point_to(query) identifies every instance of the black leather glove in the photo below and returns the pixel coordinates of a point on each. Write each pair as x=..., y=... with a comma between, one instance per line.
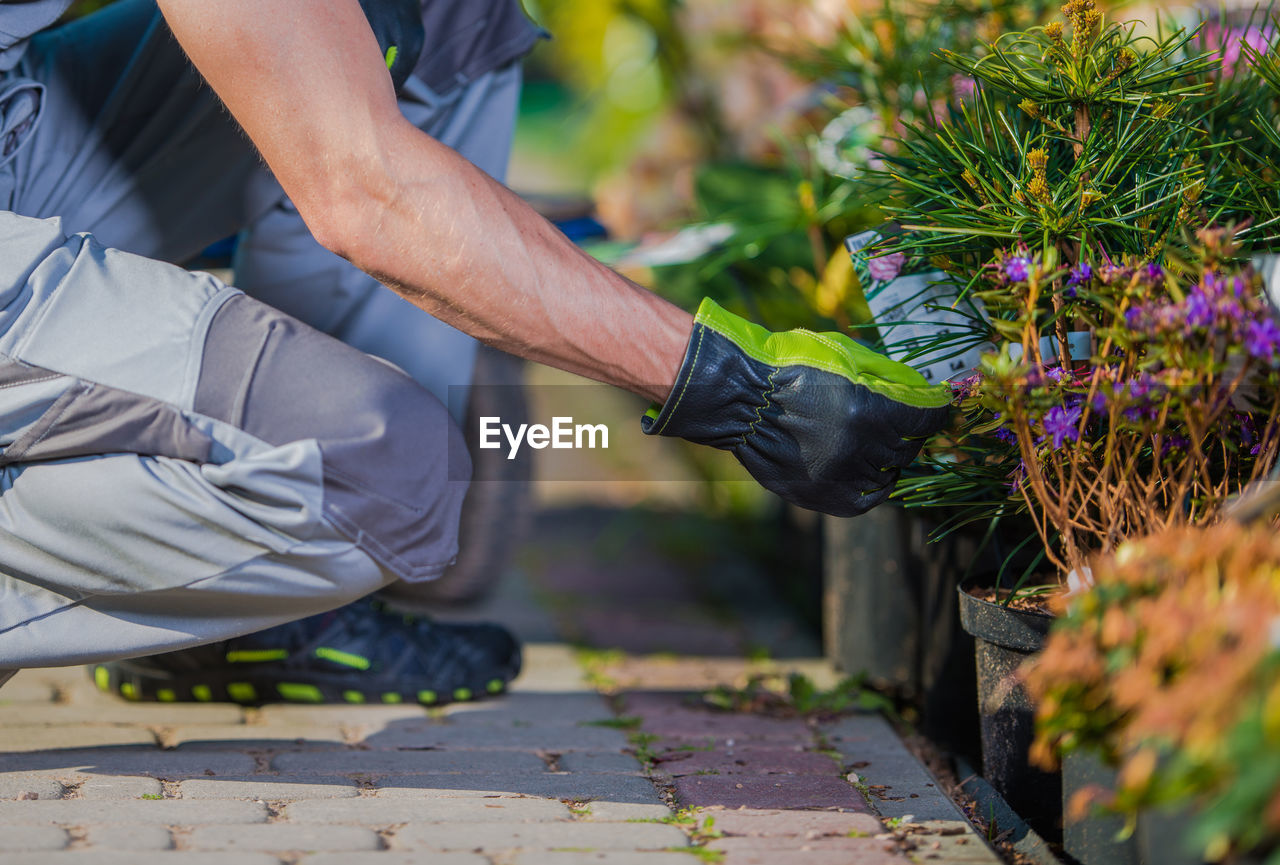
x=815, y=417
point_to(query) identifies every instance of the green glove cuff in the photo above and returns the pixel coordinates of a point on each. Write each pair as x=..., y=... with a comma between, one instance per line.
x=831, y=352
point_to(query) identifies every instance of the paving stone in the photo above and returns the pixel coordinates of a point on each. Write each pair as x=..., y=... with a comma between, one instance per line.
x=15, y=784
x=137, y=857
x=956, y=841
x=268, y=787
x=120, y=712
x=26, y=838
x=924, y=806
x=747, y=760
x=223, y=737
x=812, y=857
x=671, y=716
x=602, y=857
x=131, y=761
x=384, y=812
x=488, y=736
x=545, y=836
x=54, y=677
x=21, y=689
x=578, y=786
x=854, y=848
x=171, y=812
x=282, y=836
x=804, y=824
x=118, y=787
x=586, y=761
x=532, y=708
x=394, y=857
x=900, y=783
x=407, y=762
x=821, y=851
x=341, y=715
x=768, y=792
x=619, y=812
x=727, y=729
x=550, y=668
x=687, y=676
x=117, y=836
x=652, y=702
x=18, y=739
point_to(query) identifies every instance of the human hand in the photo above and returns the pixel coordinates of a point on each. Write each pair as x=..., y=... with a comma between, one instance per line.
x=815, y=417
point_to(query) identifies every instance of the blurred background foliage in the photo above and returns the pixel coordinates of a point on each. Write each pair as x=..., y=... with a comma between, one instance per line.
x=756, y=117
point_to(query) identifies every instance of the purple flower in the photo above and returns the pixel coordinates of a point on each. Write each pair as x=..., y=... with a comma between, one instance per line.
x=1017, y=477
x=1229, y=309
x=1018, y=268
x=1198, y=311
x=885, y=268
x=1080, y=274
x=1175, y=443
x=1140, y=387
x=965, y=387
x=1154, y=272
x=1062, y=424
x=1135, y=317
x=1262, y=338
x=1248, y=431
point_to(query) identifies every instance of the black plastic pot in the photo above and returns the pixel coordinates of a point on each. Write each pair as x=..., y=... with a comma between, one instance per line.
x=889, y=614
x=1160, y=839
x=1004, y=639
x=1092, y=841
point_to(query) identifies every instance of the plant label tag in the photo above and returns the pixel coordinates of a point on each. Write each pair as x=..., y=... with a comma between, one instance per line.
x=918, y=314
x=1079, y=342
x=1268, y=267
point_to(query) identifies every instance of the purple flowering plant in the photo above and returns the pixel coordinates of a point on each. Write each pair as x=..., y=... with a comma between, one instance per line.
x=1175, y=408
x=1078, y=199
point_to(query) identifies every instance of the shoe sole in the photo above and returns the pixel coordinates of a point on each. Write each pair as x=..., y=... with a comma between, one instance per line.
x=248, y=690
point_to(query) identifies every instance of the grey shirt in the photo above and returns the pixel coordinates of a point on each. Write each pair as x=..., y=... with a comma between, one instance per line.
x=464, y=38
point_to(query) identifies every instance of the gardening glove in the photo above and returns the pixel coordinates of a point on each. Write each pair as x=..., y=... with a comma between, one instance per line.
x=815, y=417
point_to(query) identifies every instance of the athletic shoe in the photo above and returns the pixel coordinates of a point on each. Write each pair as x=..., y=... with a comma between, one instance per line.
x=360, y=653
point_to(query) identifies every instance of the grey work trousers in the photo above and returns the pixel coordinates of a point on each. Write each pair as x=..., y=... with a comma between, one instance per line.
x=181, y=462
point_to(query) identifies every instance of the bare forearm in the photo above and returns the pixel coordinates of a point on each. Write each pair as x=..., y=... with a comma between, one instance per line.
x=463, y=247
x=308, y=84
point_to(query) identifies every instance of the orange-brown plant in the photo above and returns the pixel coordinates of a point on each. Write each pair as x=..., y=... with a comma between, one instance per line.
x=1167, y=668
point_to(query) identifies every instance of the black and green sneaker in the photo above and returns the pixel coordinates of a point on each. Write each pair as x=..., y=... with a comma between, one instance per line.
x=360, y=653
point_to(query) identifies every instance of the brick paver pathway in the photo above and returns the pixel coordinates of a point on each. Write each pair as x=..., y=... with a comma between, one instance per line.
x=547, y=775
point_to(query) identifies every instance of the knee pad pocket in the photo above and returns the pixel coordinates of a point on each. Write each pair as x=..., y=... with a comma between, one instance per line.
x=395, y=464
